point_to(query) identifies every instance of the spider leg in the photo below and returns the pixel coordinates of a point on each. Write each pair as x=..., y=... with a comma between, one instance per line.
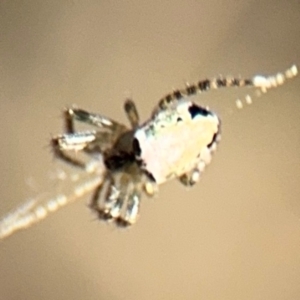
x=131, y=113
x=63, y=144
x=121, y=201
x=134, y=193
x=88, y=141
x=109, y=206
x=95, y=204
x=132, y=209
x=74, y=113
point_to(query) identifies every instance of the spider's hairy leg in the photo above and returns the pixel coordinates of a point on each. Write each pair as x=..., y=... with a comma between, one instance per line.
x=108, y=204
x=95, y=203
x=63, y=144
x=80, y=115
x=260, y=82
x=120, y=202
x=132, y=209
x=131, y=113
x=134, y=194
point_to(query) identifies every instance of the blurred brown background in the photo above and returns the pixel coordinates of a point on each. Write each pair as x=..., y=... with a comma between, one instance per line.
x=236, y=235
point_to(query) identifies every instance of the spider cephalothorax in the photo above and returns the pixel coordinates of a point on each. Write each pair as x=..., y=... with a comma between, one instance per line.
x=176, y=142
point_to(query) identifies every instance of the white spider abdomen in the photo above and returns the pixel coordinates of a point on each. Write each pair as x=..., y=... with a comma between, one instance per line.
x=177, y=139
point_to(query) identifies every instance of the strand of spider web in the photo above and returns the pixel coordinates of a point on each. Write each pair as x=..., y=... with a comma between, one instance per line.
x=34, y=211
x=265, y=83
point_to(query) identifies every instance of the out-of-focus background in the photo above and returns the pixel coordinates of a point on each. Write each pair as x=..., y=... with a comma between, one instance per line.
x=236, y=235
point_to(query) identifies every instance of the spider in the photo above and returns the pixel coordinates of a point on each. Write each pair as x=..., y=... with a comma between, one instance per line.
x=177, y=141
